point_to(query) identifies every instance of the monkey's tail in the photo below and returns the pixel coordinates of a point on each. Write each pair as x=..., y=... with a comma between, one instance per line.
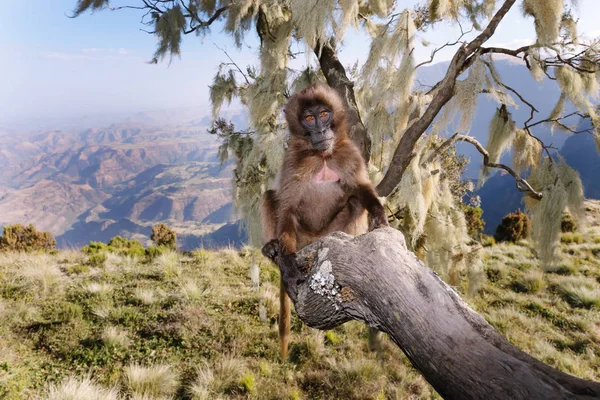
x=284, y=320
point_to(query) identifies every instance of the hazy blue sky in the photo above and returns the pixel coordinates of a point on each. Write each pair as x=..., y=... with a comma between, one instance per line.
x=56, y=67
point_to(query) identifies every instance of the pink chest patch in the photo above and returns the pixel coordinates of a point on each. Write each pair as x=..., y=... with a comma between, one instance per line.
x=326, y=174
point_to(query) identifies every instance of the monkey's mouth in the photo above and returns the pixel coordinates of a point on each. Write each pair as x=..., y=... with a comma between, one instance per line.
x=324, y=144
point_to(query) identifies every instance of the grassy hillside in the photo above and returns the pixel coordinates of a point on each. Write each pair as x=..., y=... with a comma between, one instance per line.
x=195, y=326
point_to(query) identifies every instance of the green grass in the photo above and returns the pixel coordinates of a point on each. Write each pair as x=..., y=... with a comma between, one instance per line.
x=195, y=327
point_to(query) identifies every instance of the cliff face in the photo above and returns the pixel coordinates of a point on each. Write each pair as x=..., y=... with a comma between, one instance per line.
x=94, y=183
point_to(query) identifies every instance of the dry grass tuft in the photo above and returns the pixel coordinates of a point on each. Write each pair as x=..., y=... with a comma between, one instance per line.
x=81, y=389
x=113, y=336
x=151, y=381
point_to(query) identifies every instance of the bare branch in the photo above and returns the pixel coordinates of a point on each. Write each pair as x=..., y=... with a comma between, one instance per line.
x=234, y=64
x=522, y=184
x=205, y=24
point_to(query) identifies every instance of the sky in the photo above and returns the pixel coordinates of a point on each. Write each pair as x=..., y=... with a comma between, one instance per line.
x=54, y=67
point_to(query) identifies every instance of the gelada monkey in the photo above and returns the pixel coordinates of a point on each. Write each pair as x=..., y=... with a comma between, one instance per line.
x=323, y=185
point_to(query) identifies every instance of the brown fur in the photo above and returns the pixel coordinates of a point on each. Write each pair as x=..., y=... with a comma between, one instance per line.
x=302, y=210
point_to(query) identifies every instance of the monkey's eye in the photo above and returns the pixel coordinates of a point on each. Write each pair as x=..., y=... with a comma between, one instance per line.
x=324, y=115
x=309, y=118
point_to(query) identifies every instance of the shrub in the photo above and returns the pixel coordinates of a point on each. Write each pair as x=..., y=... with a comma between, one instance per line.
x=97, y=259
x=126, y=247
x=26, y=238
x=487, y=241
x=571, y=238
x=473, y=219
x=514, y=227
x=154, y=251
x=567, y=223
x=162, y=235
x=95, y=248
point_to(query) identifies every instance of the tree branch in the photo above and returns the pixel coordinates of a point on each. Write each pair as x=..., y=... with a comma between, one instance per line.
x=335, y=73
x=444, y=92
x=374, y=278
x=522, y=184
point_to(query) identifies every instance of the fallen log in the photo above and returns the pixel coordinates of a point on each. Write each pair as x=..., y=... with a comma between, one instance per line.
x=374, y=278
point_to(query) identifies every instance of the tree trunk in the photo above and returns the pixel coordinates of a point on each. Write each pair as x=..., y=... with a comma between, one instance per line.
x=335, y=73
x=374, y=278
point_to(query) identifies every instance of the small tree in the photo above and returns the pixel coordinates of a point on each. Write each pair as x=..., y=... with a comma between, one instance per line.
x=514, y=227
x=475, y=222
x=164, y=236
x=567, y=223
x=18, y=237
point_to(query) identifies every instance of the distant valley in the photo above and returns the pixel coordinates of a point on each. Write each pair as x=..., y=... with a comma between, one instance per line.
x=96, y=183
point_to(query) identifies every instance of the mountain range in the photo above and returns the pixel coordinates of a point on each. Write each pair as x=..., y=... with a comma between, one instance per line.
x=87, y=183
x=96, y=183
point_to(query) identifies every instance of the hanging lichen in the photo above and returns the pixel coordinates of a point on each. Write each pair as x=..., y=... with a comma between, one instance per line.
x=464, y=102
x=312, y=18
x=547, y=15
x=168, y=28
x=561, y=188
x=349, y=17
x=440, y=9
x=224, y=88
x=239, y=18
x=570, y=27
x=526, y=151
x=536, y=64
x=571, y=84
x=501, y=133
x=493, y=85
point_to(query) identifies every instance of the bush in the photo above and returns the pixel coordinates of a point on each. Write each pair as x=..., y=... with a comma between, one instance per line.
x=487, y=241
x=571, y=238
x=162, y=235
x=514, y=227
x=154, y=251
x=567, y=223
x=473, y=219
x=126, y=247
x=26, y=238
x=95, y=248
x=97, y=259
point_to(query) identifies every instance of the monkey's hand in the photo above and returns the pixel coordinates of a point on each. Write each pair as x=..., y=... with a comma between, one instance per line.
x=377, y=220
x=271, y=249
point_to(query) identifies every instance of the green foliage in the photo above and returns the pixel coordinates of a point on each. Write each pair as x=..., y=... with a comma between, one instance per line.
x=154, y=251
x=168, y=28
x=332, y=338
x=93, y=5
x=95, y=248
x=78, y=269
x=567, y=223
x=97, y=251
x=248, y=383
x=514, y=227
x=18, y=237
x=126, y=247
x=475, y=222
x=487, y=241
x=164, y=236
x=97, y=259
x=571, y=238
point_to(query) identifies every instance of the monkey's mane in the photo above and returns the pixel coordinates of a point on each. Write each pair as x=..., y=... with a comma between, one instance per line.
x=313, y=95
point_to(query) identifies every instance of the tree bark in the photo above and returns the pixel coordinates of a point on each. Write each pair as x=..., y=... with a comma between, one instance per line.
x=335, y=73
x=374, y=278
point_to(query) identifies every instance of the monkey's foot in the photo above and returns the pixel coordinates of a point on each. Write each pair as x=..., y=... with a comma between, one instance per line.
x=271, y=249
x=377, y=221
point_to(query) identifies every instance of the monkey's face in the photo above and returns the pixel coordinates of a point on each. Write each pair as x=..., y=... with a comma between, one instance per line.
x=316, y=121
